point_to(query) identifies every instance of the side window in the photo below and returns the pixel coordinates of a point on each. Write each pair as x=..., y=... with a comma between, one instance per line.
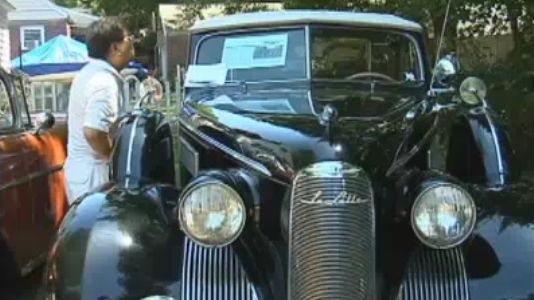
x=6, y=112
x=23, y=90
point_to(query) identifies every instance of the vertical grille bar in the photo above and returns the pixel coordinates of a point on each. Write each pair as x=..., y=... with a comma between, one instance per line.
x=332, y=234
x=213, y=274
x=435, y=275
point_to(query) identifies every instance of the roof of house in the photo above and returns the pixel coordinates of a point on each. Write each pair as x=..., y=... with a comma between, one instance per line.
x=44, y=10
x=80, y=18
x=6, y=5
x=288, y=17
x=36, y=10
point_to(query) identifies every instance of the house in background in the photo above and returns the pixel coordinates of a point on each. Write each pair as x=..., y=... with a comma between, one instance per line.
x=5, y=53
x=33, y=22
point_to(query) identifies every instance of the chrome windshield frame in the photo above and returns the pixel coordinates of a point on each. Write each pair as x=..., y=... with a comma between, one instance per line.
x=307, y=28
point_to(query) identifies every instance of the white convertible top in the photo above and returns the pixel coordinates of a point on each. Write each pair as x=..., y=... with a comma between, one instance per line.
x=290, y=17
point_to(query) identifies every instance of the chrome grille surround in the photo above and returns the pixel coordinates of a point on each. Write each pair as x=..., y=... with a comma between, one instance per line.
x=213, y=274
x=435, y=275
x=331, y=234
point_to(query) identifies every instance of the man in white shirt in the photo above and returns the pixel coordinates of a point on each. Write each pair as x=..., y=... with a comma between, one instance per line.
x=93, y=106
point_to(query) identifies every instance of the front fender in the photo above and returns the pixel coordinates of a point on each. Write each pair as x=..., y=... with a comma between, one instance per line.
x=493, y=145
x=116, y=244
x=500, y=259
x=495, y=263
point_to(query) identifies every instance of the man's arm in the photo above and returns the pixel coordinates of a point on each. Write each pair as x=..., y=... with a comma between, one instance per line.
x=101, y=112
x=99, y=141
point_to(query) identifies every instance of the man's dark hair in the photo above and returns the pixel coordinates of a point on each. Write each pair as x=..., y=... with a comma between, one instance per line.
x=102, y=34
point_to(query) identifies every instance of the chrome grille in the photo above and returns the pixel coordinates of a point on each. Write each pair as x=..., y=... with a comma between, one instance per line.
x=213, y=273
x=332, y=234
x=435, y=275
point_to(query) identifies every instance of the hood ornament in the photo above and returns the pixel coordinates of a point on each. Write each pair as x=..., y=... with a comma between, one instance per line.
x=329, y=115
x=328, y=118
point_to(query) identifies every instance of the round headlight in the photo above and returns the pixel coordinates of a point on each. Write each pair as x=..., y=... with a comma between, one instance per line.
x=212, y=214
x=443, y=216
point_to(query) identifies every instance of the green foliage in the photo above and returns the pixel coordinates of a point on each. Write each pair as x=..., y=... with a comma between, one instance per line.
x=358, y=5
x=68, y=3
x=136, y=13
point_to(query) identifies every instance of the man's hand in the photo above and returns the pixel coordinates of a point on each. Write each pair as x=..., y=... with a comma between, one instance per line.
x=99, y=141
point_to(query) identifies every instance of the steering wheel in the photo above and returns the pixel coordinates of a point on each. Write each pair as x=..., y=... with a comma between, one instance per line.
x=370, y=74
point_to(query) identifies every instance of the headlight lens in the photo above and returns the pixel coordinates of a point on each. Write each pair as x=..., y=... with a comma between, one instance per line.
x=212, y=214
x=443, y=216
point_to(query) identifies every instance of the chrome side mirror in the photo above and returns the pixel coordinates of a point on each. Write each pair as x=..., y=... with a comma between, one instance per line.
x=446, y=71
x=473, y=91
x=44, y=122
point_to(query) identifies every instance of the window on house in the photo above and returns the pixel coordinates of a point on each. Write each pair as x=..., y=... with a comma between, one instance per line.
x=31, y=36
x=49, y=96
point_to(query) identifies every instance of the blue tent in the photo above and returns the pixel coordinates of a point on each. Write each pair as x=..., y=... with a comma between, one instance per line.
x=58, y=55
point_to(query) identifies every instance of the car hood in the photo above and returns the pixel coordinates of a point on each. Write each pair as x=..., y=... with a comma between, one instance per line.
x=283, y=130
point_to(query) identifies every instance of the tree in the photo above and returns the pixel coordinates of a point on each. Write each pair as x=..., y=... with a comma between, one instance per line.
x=137, y=14
x=358, y=5
x=68, y=3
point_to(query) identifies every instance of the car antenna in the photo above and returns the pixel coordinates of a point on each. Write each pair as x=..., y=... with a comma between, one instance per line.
x=438, y=52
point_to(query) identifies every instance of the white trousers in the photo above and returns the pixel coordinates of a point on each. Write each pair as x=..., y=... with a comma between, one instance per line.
x=83, y=176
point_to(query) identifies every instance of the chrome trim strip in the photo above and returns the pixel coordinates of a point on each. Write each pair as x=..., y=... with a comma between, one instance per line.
x=29, y=178
x=33, y=264
x=130, y=150
x=245, y=160
x=495, y=142
x=213, y=274
x=310, y=101
x=307, y=36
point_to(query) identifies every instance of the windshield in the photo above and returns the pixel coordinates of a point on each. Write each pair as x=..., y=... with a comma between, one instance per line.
x=352, y=54
x=337, y=53
x=260, y=56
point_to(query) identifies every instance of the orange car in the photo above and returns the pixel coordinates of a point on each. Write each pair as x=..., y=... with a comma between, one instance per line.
x=32, y=193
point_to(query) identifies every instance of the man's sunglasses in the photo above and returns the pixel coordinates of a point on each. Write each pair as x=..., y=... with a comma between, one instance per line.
x=132, y=38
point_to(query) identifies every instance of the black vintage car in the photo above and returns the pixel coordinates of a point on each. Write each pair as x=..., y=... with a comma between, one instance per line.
x=314, y=156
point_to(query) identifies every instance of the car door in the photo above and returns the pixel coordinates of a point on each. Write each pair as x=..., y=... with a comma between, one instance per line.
x=32, y=191
x=16, y=215
x=46, y=153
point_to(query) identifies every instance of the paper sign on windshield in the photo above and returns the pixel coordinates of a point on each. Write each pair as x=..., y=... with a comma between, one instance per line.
x=201, y=75
x=255, y=51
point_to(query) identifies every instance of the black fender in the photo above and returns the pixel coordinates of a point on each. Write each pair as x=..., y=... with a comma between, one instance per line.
x=500, y=257
x=496, y=262
x=125, y=243
x=116, y=244
x=143, y=149
x=479, y=149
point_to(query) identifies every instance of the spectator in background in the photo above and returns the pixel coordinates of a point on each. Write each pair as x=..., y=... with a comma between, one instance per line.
x=93, y=106
x=152, y=84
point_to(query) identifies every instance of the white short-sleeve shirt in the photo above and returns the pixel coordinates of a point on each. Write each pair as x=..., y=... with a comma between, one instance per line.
x=93, y=102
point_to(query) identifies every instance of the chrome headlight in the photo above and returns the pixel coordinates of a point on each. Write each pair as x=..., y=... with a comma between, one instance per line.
x=443, y=216
x=212, y=214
